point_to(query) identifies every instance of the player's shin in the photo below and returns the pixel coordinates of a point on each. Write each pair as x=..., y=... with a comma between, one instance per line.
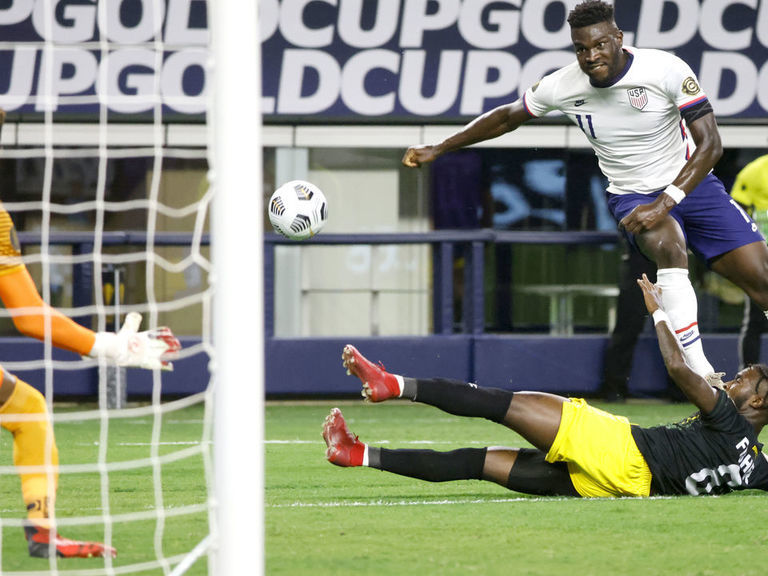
x=460, y=398
x=679, y=299
x=462, y=464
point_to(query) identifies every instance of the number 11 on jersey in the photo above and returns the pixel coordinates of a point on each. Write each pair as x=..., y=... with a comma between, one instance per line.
x=591, y=132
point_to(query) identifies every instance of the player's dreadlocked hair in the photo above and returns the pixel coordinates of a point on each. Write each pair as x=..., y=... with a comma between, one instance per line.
x=590, y=12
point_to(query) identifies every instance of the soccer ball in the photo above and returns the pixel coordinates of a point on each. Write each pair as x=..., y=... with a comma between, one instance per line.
x=298, y=210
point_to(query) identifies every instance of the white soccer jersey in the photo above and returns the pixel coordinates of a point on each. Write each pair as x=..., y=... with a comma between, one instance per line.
x=634, y=125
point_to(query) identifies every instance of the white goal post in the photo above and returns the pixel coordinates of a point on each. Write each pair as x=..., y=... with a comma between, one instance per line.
x=237, y=231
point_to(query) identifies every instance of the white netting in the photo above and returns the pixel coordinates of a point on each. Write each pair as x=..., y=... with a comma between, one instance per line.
x=104, y=201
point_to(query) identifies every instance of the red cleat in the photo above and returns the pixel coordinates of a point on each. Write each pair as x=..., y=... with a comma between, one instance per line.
x=344, y=448
x=378, y=384
x=39, y=540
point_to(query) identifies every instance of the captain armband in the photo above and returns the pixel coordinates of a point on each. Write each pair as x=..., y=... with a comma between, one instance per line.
x=698, y=110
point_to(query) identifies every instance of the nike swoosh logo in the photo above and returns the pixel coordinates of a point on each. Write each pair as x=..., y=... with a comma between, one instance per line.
x=579, y=102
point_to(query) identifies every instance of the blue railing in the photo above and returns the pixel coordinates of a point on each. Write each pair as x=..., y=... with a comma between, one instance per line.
x=82, y=243
x=444, y=245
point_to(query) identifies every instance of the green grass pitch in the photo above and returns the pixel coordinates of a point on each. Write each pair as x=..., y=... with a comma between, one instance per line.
x=321, y=519
x=324, y=520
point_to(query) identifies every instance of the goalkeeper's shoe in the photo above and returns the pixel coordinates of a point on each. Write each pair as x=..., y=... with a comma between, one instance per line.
x=39, y=541
x=378, y=384
x=151, y=349
x=344, y=448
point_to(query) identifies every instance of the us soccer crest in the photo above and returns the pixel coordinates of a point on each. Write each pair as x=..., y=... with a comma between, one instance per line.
x=637, y=97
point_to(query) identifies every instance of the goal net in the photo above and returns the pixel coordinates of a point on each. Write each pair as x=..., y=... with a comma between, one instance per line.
x=108, y=151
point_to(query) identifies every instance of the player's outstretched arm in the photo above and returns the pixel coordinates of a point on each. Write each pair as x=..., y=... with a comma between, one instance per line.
x=151, y=349
x=36, y=319
x=487, y=126
x=695, y=388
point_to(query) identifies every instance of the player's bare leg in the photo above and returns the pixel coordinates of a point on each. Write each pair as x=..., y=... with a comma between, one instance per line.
x=534, y=415
x=665, y=244
x=523, y=470
x=498, y=463
x=527, y=471
x=346, y=450
x=747, y=267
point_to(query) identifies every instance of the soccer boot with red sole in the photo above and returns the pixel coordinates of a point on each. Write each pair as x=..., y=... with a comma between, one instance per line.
x=378, y=384
x=344, y=448
x=39, y=539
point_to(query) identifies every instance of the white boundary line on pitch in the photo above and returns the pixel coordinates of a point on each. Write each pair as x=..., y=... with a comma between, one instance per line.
x=376, y=503
x=386, y=503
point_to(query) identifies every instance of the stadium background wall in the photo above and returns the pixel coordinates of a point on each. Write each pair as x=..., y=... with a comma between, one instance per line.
x=341, y=100
x=366, y=61
x=312, y=367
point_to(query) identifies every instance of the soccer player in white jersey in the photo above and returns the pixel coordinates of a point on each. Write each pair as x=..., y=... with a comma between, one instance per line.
x=656, y=139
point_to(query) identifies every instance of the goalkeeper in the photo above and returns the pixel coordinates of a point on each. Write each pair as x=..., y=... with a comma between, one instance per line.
x=33, y=440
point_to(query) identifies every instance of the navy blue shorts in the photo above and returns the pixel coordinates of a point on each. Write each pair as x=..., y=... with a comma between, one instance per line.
x=712, y=222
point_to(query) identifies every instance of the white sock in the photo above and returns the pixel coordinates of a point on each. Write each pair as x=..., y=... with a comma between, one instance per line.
x=680, y=303
x=400, y=383
x=365, y=456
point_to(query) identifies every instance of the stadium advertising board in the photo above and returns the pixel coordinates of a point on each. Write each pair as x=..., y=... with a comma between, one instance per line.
x=358, y=60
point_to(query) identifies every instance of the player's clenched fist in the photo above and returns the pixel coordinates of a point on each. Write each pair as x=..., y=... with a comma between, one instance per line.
x=415, y=156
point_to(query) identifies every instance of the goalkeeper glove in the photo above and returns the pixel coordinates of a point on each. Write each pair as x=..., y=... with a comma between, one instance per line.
x=151, y=349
